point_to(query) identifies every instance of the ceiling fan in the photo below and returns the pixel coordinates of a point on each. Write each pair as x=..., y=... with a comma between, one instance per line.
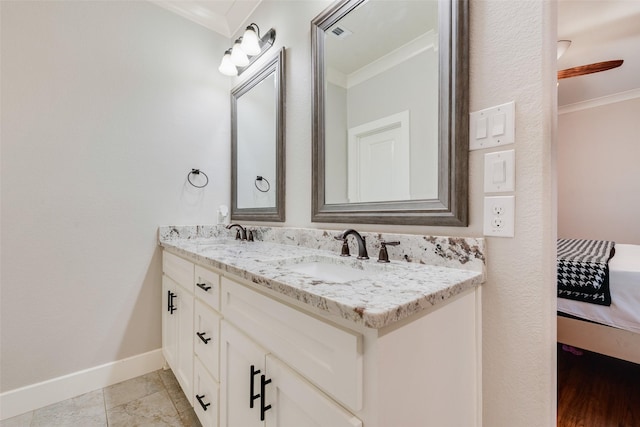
x=581, y=70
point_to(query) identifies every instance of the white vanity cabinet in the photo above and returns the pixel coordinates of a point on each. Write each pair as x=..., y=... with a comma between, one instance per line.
x=191, y=332
x=262, y=359
x=419, y=372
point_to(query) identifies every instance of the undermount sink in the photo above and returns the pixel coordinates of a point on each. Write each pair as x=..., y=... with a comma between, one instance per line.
x=329, y=272
x=216, y=242
x=336, y=270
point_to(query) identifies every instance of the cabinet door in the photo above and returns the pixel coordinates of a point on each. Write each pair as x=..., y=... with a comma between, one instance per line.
x=205, y=393
x=169, y=323
x=295, y=402
x=242, y=365
x=183, y=302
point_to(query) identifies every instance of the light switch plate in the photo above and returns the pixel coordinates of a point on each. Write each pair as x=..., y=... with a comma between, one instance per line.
x=499, y=171
x=492, y=127
x=499, y=216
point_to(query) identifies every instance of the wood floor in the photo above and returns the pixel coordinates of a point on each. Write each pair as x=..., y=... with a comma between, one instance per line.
x=597, y=391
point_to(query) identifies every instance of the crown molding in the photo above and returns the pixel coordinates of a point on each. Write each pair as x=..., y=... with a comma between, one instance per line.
x=598, y=102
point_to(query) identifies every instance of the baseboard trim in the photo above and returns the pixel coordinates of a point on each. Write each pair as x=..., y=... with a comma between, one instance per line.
x=34, y=396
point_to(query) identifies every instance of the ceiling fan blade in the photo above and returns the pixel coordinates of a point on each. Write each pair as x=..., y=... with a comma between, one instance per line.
x=589, y=69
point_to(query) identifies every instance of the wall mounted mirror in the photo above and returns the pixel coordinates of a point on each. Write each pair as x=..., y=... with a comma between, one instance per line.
x=390, y=112
x=257, y=145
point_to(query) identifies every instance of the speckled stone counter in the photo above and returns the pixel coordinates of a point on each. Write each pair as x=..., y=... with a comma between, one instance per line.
x=424, y=270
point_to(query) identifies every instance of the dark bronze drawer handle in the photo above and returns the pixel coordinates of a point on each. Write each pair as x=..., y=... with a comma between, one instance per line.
x=203, y=286
x=201, y=336
x=204, y=405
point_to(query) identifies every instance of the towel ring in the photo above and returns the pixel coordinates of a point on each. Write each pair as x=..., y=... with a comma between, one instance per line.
x=197, y=172
x=260, y=178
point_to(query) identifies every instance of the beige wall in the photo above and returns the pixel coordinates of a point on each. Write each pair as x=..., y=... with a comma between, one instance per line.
x=599, y=173
x=512, y=58
x=106, y=106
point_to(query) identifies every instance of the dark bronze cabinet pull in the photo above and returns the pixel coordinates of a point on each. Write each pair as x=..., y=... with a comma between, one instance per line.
x=204, y=405
x=263, y=384
x=203, y=286
x=170, y=307
x=201, y=336
x=252, y=396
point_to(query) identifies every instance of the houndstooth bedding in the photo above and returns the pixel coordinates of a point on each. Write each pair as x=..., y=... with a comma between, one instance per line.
x=583, y=270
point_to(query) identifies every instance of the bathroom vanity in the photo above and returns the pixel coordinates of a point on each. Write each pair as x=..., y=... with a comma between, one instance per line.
x=271, y=334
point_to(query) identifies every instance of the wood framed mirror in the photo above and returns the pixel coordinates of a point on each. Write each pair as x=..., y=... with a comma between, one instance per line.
x=390, y=112
x=257, y=145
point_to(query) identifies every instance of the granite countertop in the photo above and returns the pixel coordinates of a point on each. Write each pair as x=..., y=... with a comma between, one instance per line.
x=378, y=295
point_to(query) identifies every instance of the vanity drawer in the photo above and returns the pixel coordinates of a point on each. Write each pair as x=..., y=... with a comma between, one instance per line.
x=207, y=287
x=205, y=396
x=207, y=337
x=326, y=355
x=180, y=270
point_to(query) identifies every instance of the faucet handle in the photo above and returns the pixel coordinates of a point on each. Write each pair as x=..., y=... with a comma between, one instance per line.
x=238, y=236
x=345, y=246
x=384, y=255
x=249, y=235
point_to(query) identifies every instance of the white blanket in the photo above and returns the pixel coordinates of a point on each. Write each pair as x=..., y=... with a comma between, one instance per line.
x=624, y=282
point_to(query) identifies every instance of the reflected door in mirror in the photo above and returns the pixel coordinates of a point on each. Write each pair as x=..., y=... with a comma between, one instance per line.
x=381, y=60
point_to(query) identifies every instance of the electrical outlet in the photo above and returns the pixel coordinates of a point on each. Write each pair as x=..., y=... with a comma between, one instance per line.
x=499, y=216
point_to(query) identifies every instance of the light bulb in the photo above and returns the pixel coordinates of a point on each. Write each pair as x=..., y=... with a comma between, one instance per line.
x=563, y=45
x=227, y=66
x=238, y=57
x=250, y=42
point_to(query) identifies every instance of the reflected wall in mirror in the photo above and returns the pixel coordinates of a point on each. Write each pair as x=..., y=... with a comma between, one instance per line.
x=257, y=145
x=390, y=112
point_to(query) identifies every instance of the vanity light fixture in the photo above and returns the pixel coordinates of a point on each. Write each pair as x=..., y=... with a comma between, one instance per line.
x=250, y=40
x=227, y=67
x=238, y=57
x=246, y=50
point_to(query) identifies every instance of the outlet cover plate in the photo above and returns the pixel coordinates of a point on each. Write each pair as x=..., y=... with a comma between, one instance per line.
x=499, y=216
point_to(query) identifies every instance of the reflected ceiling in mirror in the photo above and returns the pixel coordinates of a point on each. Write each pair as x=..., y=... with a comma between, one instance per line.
x=390, y=107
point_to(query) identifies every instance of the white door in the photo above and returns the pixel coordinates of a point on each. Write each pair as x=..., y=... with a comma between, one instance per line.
x=379, y=160
x=296, y=403
x=242, y=366
x=169, y=323
x=183, y=302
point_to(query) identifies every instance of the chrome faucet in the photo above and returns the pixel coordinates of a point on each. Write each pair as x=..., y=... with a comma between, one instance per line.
x=362, y=246
x=242, y=232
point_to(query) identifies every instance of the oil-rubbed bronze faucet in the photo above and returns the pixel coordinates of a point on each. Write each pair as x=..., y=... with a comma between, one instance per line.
x=384, y=255
x=241, y=234
x=362, y=246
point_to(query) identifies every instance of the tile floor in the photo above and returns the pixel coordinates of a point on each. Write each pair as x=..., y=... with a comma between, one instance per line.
x=154, y=399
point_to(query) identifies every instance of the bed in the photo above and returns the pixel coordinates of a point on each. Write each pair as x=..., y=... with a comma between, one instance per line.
x=613, y=330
